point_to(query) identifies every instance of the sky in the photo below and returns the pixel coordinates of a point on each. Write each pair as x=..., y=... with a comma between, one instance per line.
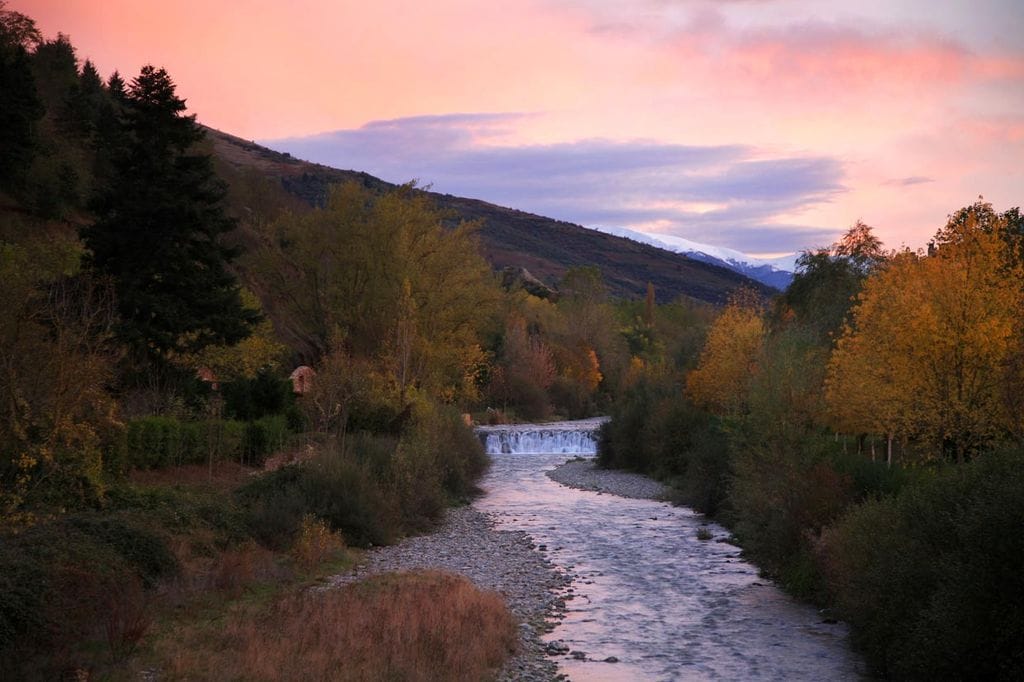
x=766, y=126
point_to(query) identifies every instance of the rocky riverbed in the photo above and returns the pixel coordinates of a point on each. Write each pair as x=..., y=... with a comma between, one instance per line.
x=584, y=474
x=507, y=562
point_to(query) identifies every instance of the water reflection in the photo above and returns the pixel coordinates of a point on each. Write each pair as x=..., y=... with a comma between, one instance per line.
x=648, y=592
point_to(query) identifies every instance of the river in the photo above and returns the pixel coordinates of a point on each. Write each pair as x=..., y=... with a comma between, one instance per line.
x=646, y=590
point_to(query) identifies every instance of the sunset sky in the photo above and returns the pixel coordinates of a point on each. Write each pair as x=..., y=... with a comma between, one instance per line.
x=766, y=126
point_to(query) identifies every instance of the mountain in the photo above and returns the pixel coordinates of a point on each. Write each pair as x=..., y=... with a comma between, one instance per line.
x=774, y=272
x=514, y=239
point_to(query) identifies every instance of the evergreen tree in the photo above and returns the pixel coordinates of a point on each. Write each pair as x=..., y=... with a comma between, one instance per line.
x=20, y=106
x=108, y=142
x=159, y=227
x=81, y=111
x=116, y=87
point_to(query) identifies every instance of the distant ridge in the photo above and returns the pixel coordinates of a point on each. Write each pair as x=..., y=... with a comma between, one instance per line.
x=775, y=272
x=516, y=239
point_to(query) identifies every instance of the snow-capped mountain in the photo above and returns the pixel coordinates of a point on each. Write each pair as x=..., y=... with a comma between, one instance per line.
x=775, y=272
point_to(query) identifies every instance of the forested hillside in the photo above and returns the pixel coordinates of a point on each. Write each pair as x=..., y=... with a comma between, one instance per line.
x=514, y=239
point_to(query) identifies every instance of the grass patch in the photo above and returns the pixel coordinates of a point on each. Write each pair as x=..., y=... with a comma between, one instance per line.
x=404, y=626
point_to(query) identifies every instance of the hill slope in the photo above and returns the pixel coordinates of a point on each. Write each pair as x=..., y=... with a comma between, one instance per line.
x=545, y=247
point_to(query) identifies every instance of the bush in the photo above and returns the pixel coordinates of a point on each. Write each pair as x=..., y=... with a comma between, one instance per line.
x=656, y=430
x=932, y=580
x=779, y=503
x=159, y=442
x=59, y=585
x=263, y=437
x=141, y=549
x=334, y=487
x=250, y=399
x=179, y=510
x=372, y=488
x=441, y=435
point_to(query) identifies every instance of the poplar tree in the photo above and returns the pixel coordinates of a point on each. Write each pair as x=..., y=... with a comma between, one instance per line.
x=158, y=231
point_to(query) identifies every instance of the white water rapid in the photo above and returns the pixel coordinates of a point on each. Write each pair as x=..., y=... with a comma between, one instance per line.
x=569, y=438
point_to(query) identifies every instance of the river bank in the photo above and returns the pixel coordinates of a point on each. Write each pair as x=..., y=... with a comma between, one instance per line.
x=504, y=561
x=584, y=474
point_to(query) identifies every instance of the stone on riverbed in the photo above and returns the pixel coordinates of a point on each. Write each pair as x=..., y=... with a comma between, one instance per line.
x=584, y=475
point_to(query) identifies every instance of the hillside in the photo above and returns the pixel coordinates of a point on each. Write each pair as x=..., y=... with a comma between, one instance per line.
x=545, y=247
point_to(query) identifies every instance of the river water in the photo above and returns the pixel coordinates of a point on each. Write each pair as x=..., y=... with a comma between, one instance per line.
x=646, y=590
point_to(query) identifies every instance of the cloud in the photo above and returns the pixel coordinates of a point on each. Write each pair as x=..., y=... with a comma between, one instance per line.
x=908, y=181
x=726, y=195
x=818, y=58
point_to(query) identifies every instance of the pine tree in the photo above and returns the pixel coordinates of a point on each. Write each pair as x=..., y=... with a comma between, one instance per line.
x=159, y=227
x=116, y=87
x=20, y=106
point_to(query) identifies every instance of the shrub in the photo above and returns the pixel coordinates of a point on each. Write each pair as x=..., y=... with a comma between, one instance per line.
x=159, y=442
x=142, y=549
x=61, y=584
x=178, y=510
x=932, y=579
x=315, y=543
x=457, y=452
x=371, y=488
x=250, y=399
x=334, y=487
x=263, y=437
x=779, y=503
x=406, y=626
x=656, y=430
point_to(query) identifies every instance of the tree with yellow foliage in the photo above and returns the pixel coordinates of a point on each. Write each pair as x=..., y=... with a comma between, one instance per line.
x=869, y=387
x=925, y=354
x=730, y=358
x=244, y=359
x=384, y=272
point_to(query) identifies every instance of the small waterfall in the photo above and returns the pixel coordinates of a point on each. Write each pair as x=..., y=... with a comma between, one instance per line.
x=574, y=438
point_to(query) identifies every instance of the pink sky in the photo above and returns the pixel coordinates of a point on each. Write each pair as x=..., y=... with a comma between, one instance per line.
x=894, y=113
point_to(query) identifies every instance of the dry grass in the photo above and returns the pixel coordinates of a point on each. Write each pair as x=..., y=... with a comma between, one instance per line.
x=405, y=626
x=224, y=476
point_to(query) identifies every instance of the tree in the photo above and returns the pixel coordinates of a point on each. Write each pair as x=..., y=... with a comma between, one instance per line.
x=258, y=352
x=527, y=370
x=158, y=232
x=20, y=106
x=927, y=350
x=590, y=321
x=827, y=281
x=16, y=29
x=56, y=357
x=870, y=382
x=384, y=274
x=730, y=359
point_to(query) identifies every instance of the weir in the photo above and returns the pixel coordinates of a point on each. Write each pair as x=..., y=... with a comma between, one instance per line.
x=572, y=438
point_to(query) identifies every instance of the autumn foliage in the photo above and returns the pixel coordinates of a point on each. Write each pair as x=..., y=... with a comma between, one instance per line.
x=925, y=354
x=861, y=436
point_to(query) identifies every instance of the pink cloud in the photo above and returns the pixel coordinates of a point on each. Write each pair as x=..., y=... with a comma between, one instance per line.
x=814, y=59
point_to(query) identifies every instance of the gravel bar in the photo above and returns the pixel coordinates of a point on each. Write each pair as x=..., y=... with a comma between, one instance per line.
x=584, y=474
x=504, y=561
